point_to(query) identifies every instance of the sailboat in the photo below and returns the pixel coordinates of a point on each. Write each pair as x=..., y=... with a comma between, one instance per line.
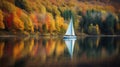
x=70, y=34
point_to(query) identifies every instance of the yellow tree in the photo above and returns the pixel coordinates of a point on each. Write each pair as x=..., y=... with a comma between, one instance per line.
x=28, y=25
x=41, y=8
x=59, y=22
x=60, y=25
x=2, y=26
x=55, y=10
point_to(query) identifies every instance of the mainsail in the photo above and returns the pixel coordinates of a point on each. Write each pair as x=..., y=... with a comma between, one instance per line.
x=70, y=30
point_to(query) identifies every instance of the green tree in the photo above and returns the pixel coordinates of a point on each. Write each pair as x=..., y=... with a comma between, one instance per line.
x=23, y=4
x=44, y=27
x=67, y=14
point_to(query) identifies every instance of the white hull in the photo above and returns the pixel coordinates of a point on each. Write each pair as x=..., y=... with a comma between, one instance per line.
x=69, y=37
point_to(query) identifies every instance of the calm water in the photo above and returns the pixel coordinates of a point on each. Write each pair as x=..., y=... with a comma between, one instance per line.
x=52, y=51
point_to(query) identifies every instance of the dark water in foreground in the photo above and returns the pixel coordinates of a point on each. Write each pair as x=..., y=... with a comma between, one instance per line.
x=50, y=51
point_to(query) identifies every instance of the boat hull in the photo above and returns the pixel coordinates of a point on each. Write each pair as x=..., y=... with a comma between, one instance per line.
x=69, y=37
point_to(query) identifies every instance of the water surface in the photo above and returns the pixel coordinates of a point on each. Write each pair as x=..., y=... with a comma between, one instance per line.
x=52, y=51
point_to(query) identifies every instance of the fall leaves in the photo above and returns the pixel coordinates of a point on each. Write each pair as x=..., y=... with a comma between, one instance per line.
x=16, y=19
x=2, y=26
x=51, y=17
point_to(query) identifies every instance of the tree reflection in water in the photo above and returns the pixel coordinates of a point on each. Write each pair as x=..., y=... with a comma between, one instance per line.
x=97, y=47
x=48, y=50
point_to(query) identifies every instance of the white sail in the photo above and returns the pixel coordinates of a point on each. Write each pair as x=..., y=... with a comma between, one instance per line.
x=70, y=30
x=70, y=46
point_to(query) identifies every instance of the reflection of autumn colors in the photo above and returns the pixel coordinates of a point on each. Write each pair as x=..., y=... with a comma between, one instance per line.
x=97, y=47
x=34, y=48
x=18, y=49
x=1, y=48
x=43, y=49
x=60, y=47
x=50, y=47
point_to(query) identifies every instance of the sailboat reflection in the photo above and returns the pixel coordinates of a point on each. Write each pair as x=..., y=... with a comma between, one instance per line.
x=70, y=45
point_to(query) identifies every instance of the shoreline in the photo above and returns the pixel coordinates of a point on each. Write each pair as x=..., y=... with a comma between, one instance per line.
x=34, y=34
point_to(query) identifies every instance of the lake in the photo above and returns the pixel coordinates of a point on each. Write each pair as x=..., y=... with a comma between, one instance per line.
x=54, y=51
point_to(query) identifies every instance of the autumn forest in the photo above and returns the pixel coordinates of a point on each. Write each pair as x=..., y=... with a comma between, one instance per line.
x=51, y=17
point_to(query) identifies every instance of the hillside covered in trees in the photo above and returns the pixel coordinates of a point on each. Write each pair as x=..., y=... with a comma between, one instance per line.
x=93, y=17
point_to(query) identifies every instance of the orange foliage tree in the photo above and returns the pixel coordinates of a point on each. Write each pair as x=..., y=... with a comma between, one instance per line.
x=17, y=23
x=34, y=20
x=8, y=20
x=48, y=23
